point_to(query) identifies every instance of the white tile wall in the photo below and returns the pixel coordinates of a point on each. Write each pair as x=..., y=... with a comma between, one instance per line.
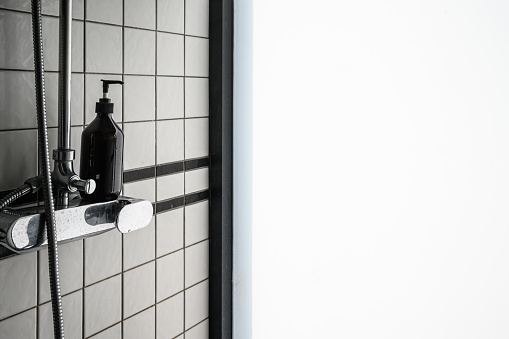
x=170, y=231
x=134, y=254
x=114, y=332
x=196, y=220
x=170, y=54
x=145, y=189
x=170, y=15
x=170, y=186
x=170, y=97
x=139, y=145
x=140, y=13
x=197, y=304
x=112, y=282
x=70, y=269
x=200, y=331
x=139, y=51
x=139, y=98
x=197, y=57
x=197, y=137
x=104, y=48
x=19, y=326
x=140, y=325
x=103, y=256
x=139, y=289
x=170, y=141
x=170, y=275
x=102, y=305
x=197, y=258
x=197, y=17
x=197, y=97
x=197, y=180
x=72, y=308
x=18, y=287
x=170, y=317
x=105, y=11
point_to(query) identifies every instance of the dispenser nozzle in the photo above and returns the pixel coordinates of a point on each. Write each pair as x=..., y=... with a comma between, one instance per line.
x=107, y=83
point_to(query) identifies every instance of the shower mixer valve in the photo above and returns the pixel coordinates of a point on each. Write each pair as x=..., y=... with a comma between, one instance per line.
x=63, y=175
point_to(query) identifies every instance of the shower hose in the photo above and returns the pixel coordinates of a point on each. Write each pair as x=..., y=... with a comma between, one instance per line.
x=45, y=172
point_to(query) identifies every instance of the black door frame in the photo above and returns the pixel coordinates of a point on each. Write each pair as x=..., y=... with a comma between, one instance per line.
x=221, y=168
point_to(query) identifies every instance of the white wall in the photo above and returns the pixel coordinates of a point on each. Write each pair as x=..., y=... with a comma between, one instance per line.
x=381, y=169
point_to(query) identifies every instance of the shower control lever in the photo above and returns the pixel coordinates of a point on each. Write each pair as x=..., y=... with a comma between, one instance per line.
x=87, y=186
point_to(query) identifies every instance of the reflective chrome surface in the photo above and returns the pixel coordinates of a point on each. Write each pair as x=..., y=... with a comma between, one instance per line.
x=23, y=230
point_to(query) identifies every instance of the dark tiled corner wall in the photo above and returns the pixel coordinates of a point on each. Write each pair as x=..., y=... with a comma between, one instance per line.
x=152, y=283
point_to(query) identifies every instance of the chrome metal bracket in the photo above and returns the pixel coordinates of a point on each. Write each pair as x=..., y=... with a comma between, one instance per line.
x=22, y=230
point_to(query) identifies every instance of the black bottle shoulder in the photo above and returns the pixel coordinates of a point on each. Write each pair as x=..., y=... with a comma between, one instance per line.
x=103, y=124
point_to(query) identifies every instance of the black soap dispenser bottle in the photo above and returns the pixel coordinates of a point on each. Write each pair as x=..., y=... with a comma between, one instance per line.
x=102, y=148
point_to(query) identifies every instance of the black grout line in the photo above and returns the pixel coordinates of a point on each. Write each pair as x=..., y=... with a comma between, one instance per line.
x=20, y=312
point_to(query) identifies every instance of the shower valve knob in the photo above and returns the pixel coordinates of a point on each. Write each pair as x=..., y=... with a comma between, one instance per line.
x=87, y=186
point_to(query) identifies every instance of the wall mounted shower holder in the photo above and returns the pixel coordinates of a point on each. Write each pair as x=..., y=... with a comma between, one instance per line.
x=22, y=230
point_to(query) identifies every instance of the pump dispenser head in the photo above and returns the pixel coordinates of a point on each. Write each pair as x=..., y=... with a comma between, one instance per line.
x=104, y=105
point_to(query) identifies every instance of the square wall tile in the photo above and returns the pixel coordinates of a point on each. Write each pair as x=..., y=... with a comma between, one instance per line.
x=170, y=231
x=20, y=148
x=139, y=247
x=77, y=46
x=51, y=88
x=70, y=263
x=141, y=325
x=197, y=180
x=50, y=43
x=139, y=145
x=170, y=141
x=22, y=5
x=77, y=99
x=144, y=189
x=139, y=98
x=16, y=40
x=18, y=283
x=102, y=305
x=103, y=53
x=17, y=95
x=105, y=11
x=197, y=222
x=197, y=304
x=94, y=91
x=170, y=186
x=170, y=275
x=170, y=54
x=170, y=15
x=21, y=326
x=197, y=17
x=200, y=331
x=197, y=263
x=197, y=138
x=139, y=51
x=170, y=97
x=140, y=13
x=197, y=97
x=103, y=256
x=170, y=317
x=72, y=308
x=197, y=57
x=114, y=332
x=139, y=289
